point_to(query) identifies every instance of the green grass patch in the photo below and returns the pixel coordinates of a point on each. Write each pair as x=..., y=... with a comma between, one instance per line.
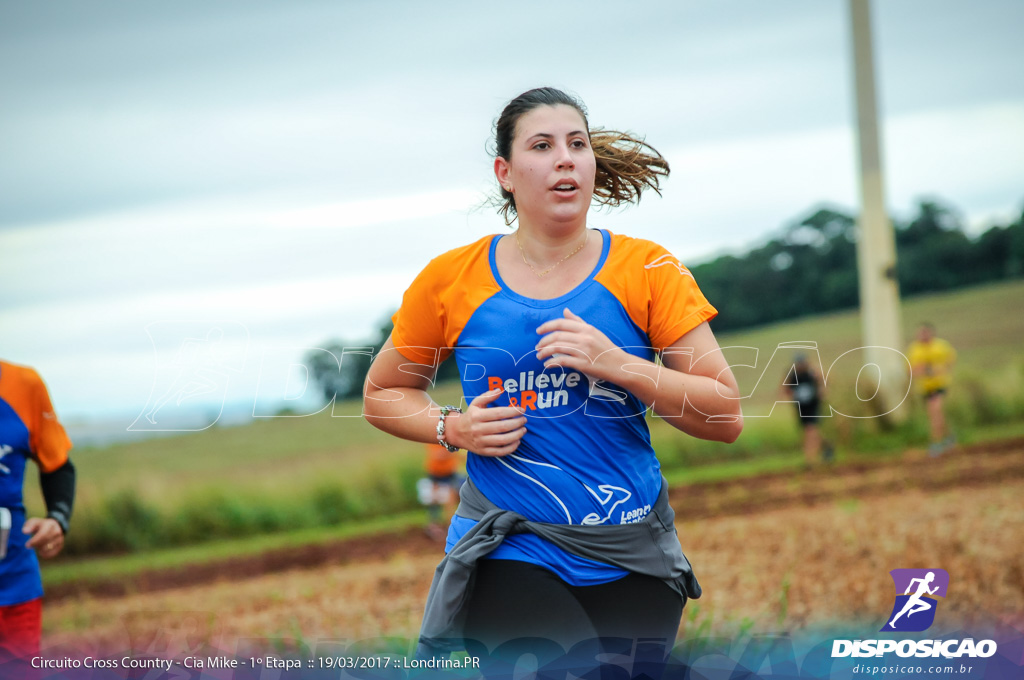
x=283, y=477
x=735, y=469
x=106, y=568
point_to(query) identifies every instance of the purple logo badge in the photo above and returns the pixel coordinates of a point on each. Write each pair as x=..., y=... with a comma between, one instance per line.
x=916, y=590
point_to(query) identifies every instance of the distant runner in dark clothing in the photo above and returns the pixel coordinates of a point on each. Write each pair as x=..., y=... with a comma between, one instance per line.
x=804, y=386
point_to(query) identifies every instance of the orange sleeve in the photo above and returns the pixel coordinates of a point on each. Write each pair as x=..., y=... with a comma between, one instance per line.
x=676, y=304
x=26, y=393
x=419, y=327
x=437, y=305
x=50, y=443
x=658, y=292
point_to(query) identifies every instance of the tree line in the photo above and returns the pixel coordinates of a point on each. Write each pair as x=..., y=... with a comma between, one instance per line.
x=810, y=266
x=807, y=268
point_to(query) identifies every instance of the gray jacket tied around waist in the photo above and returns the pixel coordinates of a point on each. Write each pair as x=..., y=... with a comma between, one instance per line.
x=650, y=547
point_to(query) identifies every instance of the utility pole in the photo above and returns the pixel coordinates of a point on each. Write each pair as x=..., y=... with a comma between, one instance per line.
x=876, y=244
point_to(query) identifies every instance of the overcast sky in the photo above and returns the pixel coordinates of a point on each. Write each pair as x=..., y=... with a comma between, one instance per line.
x=281, y=171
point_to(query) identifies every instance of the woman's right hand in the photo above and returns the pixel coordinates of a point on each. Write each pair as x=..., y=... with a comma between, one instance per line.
x=486, y=431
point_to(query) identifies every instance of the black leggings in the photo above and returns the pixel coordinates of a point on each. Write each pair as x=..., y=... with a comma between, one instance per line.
x=516, y=601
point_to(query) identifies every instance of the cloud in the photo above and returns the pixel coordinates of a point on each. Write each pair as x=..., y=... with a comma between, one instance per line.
x=728, y=195
x=294, y=165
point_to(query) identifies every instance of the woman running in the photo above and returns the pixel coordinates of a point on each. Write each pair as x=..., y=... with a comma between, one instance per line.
x=564, y=530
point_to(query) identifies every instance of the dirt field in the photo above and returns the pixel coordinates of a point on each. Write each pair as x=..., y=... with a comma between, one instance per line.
x=775, y=553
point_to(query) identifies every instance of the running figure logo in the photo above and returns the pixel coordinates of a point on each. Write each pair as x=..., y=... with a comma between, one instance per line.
x=668, y=260
x=195, y=362
x=914, y=610
x=4, y=450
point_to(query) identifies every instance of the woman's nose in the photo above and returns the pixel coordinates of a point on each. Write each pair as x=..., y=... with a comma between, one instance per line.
x=564, y=161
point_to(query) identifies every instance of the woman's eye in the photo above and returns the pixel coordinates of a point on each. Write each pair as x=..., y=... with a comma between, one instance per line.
x=541, y=146
x=579, y=144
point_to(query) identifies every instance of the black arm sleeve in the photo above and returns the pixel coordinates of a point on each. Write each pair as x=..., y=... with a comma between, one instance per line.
x=59, y=493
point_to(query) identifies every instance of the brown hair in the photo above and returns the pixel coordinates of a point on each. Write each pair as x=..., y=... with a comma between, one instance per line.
x=626, y=165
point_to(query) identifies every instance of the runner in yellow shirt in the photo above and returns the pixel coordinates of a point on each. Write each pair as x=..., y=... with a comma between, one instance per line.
x=932, y=360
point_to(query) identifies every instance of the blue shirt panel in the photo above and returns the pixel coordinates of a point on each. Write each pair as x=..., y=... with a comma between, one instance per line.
x=19, y=569
x=586, y=457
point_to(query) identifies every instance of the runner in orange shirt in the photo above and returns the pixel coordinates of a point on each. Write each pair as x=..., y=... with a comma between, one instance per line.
x=444, y=480
x=557, y=329
x=29, y=430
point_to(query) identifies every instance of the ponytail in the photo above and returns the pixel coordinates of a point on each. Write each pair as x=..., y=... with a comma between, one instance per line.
x=626, y=166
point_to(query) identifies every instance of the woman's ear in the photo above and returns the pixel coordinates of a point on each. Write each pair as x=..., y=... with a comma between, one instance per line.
x=501, y=171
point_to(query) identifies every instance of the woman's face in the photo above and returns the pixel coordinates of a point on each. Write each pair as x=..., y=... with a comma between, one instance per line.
x=551, y=169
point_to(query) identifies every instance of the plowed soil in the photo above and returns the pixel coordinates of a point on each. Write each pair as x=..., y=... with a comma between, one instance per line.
x=774, y=552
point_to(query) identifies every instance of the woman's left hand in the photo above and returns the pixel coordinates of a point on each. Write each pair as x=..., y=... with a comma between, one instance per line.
x=571, y=342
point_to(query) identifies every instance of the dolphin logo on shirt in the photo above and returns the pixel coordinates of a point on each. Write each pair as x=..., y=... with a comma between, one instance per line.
x=668, y=259
x=611, y=493
x=610, y=497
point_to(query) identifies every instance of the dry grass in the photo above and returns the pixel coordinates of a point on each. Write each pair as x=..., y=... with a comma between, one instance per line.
x=784, y=570
x=796, y=568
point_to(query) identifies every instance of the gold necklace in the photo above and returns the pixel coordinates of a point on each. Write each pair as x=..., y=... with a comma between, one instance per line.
x=544, y=273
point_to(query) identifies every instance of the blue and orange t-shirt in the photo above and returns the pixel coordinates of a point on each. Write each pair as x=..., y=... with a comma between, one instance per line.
x=29, y=429
x=586, y=457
